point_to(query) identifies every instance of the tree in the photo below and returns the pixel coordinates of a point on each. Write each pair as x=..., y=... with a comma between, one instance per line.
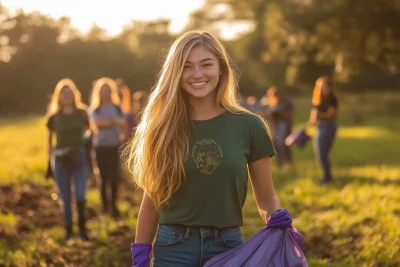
x=309, y=37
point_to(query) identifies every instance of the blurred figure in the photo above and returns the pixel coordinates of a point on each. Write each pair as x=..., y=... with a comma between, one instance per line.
x=108, y=119
x=89, y=144
x=253, y=105
x=68, y=121
x=124, y=94
x=140, y=99
x=323, y=114
x=280, y=111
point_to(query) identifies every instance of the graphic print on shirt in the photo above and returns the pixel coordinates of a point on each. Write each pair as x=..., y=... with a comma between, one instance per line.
x=207, y=155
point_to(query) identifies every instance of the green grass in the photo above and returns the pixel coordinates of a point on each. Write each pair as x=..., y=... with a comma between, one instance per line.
x=353, y=222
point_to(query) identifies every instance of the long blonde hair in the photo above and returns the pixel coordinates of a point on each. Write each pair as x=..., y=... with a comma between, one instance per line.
x=95, y=100
x=55, y=105
x=317, y=93
x=157, y=152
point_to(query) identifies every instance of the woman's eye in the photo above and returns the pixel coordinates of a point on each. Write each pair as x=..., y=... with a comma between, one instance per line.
x=187, y=67
x=207, y=65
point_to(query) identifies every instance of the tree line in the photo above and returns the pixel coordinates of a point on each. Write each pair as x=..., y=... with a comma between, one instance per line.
x=287, y=43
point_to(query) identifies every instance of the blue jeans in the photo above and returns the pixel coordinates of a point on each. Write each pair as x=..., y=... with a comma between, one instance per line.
x=281, y=130
x=64, y=174
x=180, y=246
x=323, y=143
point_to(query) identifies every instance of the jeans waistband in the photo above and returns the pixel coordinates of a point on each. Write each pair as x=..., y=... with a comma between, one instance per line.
x=197, y=230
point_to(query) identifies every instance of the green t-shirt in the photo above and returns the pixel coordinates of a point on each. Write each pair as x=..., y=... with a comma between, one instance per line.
x=216, y=171
x=69, y=128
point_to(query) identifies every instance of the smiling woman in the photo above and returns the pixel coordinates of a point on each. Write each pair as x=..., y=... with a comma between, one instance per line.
x=201, y=73
x=192, y=153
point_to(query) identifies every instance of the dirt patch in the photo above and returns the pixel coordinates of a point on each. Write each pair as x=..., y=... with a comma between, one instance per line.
x=32, y=205
x=36, y=207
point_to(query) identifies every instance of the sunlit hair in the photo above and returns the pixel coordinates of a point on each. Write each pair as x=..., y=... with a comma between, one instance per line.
x=156, y=153
x=55, y=104
x=95, y=101
x=274, y=96
x=317, y=93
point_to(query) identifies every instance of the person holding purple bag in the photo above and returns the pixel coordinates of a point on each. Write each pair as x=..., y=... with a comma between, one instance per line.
x=323, y=114
x=192, y=153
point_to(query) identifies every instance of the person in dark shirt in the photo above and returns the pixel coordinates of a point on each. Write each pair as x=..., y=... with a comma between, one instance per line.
x=323, y=114
x=68, y=120
x=252, y=104
x=193, y=154
x=139, y=103
x=280, y=112
x=125, y=104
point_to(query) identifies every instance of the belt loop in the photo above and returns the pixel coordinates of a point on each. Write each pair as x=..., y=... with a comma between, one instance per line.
x=187, y=233
x=216, y=236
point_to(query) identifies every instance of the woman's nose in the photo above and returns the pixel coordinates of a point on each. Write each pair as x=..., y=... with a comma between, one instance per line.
x=197, y=72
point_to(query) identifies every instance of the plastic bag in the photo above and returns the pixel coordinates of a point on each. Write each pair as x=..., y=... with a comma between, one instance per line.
x=278, y=245
x=299, y=138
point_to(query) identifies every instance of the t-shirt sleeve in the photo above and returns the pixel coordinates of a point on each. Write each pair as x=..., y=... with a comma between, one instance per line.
x=315, y=106
x=50, y=123
x=260, y=142
x=333, y=102
x=85, y=117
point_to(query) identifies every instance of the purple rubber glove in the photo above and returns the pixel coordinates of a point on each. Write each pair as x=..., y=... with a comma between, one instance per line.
x=280, y=219
x=140, y=254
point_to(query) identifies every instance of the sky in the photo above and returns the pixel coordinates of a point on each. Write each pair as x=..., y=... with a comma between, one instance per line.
x=110, y=14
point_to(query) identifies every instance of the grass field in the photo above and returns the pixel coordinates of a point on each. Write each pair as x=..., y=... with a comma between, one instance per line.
x=352, y=222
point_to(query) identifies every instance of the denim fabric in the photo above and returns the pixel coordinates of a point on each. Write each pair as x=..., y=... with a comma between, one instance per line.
x=323, y=144
x=63, y=176
x=282, y=129
x=179, y=246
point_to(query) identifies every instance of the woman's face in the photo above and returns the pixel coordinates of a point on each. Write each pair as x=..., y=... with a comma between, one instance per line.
x=325, y=90
x=201, y=73
x=143, y=102
x=66, y=96
x=105, y=93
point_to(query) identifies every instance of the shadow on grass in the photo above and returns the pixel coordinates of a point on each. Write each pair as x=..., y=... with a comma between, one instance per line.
x=343, y=180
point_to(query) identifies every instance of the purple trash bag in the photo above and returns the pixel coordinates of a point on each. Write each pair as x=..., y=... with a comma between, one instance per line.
x=276, y=245
x=298, y=138
x=140, y=254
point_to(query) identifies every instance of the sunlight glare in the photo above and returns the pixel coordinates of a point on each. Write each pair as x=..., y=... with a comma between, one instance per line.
x=110, y=15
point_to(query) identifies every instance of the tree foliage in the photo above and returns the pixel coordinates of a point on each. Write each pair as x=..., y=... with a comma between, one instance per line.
x=287, y=42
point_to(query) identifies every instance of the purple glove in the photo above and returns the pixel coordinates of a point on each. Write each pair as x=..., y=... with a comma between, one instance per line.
x=140, y=254
x=280, y=219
